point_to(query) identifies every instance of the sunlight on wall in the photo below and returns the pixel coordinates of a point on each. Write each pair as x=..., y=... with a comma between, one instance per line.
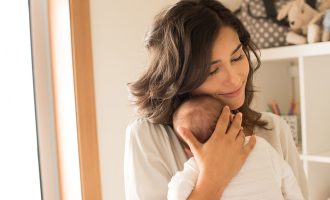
x=62, y=69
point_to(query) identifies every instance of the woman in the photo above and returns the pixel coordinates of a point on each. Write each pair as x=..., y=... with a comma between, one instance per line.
x=198, y=47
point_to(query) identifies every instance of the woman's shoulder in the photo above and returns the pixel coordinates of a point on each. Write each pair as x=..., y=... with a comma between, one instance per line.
x=142, y=127
x=277, y=131
x=280, y=138
x=276, y=124
x=154, y=140
x=138, y=125
x=272, y=119
x=142, y=131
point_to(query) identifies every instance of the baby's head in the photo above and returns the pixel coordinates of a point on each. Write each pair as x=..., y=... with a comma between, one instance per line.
x=199, y=114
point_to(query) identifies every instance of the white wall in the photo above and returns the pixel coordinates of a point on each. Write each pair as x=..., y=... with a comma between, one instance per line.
x=118, y=29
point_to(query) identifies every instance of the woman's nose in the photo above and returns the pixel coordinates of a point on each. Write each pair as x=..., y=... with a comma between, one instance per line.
x=232, y=76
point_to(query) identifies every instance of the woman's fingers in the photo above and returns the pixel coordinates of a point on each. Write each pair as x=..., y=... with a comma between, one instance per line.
x=235, y=126
x=249, y=146
x=189, y=138
x=232, y=116
x=240, y=137
x=223, y=122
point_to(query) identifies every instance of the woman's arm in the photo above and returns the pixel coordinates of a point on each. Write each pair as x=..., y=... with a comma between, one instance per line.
x=220, y=158
x=280, y=137
x=206, y=188
x=145, y=176
x=291, y=155
x=152, y=156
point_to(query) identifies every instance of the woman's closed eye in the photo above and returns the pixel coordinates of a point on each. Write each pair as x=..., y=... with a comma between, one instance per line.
x=214, y=71
x=237, y=58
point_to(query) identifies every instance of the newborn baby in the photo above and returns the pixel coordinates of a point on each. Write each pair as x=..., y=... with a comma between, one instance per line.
x=264, y=175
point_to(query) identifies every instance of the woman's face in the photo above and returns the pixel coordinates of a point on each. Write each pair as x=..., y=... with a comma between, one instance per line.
x=228, y=71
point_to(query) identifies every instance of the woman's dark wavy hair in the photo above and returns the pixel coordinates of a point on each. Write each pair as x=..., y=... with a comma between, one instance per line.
x=180, y=44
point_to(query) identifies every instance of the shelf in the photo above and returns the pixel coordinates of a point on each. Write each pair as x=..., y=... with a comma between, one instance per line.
x=318, y=180
x=295, y=51
x=323, y=157
x=309, y=65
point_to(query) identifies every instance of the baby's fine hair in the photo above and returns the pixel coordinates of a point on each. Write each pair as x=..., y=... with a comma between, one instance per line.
x=200, y=115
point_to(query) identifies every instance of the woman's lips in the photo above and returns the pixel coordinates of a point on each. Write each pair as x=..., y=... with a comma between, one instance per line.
x=232, y=94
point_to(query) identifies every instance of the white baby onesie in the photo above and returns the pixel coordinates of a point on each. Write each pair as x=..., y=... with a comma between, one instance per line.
x=264, y=176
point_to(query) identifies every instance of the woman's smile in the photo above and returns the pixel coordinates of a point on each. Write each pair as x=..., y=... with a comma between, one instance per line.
x=234, y=93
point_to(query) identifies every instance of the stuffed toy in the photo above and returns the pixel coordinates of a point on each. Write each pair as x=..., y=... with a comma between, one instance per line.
x=300, y=14
x=306, y=23
x=326, y=26
x=319, y=28
x=324, y=5
x=233, y=5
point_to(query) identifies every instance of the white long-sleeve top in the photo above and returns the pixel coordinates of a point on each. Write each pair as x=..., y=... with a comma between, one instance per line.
x=264, y=175
x=153, y=154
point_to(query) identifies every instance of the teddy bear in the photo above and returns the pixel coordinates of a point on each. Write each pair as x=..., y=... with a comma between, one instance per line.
x=319, y=28
x=326, y=26
x=299, y=14
x=306, y=23
x=323, y=5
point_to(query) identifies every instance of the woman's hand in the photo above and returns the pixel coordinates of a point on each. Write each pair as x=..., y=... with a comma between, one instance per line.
x=221, y=157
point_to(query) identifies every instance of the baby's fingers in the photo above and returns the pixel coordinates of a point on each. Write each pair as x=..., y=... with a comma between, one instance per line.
x=189, y=138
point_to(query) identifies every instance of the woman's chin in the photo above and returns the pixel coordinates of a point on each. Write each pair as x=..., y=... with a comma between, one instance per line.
x=236, y=105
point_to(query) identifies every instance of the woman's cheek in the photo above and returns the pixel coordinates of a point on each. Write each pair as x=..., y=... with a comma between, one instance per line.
x=208, y=87
x=245, y=67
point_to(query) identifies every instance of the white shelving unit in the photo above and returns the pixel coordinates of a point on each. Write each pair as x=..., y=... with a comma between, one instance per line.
x=302, y=72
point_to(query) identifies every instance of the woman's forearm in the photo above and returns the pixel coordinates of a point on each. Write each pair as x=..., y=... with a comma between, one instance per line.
x=207, y=188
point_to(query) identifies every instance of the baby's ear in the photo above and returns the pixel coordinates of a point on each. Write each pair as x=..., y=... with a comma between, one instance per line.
x=188, y=152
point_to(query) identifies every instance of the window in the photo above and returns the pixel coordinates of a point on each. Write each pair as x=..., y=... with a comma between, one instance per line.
x=19, y=168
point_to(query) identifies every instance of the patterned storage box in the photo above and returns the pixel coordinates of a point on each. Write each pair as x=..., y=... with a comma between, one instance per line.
x=292, y=121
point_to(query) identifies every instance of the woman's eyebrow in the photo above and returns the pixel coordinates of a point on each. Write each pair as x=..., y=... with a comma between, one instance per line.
x=234, y=51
